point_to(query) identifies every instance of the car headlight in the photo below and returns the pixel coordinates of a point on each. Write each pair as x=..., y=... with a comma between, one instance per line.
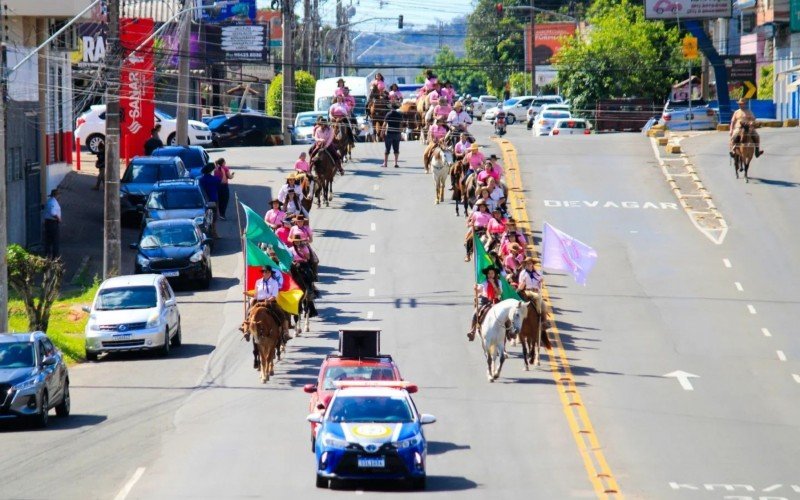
x=407, y=443
x=197, y=256
x=199, y=220
x=142, y=260
x=27, y=384
x=330, y=441
x=153, y=320
x=202, y=128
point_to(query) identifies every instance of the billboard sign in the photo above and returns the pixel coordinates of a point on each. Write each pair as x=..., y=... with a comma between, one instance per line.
x=91, y=46
x=742, y=75
x=137, y=94
x=687, y=9
x=272, y=18
x=548, y=38
x=228, y=11
x=244, y=43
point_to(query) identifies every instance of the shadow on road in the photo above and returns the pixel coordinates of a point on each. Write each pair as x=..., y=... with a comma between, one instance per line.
x=435, y=483
x=340, y=233
x=774, y=182
x=74, y=421
x=442, y=447
x=185, y=351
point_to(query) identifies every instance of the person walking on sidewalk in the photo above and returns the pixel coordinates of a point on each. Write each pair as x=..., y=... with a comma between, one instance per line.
x=101, y=166
x=154, y=142
x=52, y=221
x=393, y=120
x=210, y=185
x=224, y=174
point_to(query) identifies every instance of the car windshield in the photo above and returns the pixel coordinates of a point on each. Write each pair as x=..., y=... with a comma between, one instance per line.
x=685, y=104
x=571, y=124
x=307, y=121
x=554, y=115
x=338, y=373
x=135, y=297
x=216, y=122
x=138, y=173
x=163, y=116
x=370, y=409
x=16, y=355
x=511, y=102
x=360, y=109
x=175, y=199
x=182, y=235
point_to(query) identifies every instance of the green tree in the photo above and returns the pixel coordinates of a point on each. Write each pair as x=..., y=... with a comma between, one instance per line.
x=465, y=75
x=622, y=55
x=304, y=84
x=766, y=82
x=494, y=43
x=37, y=281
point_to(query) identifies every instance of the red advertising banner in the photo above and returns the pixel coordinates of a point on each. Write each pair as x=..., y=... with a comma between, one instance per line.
x=548, y=41
x=137, y=93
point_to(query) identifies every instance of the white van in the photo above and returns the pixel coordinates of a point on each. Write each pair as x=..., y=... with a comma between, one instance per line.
x=359, y=89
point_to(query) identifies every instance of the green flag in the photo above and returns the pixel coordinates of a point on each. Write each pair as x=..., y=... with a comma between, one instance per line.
x=257, y=231
x=482, y=261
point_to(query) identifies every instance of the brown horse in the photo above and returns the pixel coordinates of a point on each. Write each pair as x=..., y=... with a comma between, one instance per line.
x=267, y=336
x=303, y=275
x=341, y=138
x=457, y=185
x=744, y=150
x=376, y=110
x=307, y=184
x=409, y=111
x=533, y=335
x=324, y=166
x=422, y=110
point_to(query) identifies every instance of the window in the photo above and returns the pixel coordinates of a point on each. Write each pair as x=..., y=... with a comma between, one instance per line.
x=370, y=409
x=137, y=297
x=16, y=355
x=49, y=348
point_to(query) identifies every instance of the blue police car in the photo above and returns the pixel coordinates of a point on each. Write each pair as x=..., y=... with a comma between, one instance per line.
x=371, y=430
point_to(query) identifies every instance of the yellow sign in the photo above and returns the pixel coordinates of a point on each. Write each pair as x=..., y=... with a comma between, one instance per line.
x=750, y=90
x=372, y=431
x=690, y=47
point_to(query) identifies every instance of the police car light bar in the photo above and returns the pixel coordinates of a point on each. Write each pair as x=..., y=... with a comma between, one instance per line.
x=390, y=384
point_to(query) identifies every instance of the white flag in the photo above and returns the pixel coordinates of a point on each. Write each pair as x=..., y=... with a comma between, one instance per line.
x=563, y=252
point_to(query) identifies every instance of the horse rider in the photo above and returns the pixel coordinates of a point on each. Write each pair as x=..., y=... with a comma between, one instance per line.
x=448, y=92
x=301, y=165
x=496, y=192
x=488, y=293
x=283, y=232
x=275, y=216
x=743, y=116
x=462, y=146
x=530, y=284
x=511, y=236
x=434, y=95
x=430, y=82
x=291, y=185
x=459, y=119
x=496, y=170
x=292, y=206
x=476, y=222
x=442, y=110
x=379, y=83
x=266, y=293
x=302, y=229
x=512, y=262
x=395, y=94
x=339, y=88
x=474, y=157
x=323, y=140
x=350, y=102
x=436, y=135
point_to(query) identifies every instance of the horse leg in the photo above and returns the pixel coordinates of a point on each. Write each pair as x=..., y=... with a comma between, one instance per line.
x=489, y=365
x=736, y=166
x=263, y=364
x=746, y=170
x=525, y=353
x=502, y=360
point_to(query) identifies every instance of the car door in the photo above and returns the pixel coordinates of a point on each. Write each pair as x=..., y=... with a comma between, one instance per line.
x=167, y=305
x=50, y=376
x=254, y=131
x=60, y=368
x=175, y=316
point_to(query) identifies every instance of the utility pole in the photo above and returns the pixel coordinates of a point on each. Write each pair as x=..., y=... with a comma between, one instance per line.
x=3, y=187
x=182, y=116
x=533, y=48
x=287, y=94
x=308, y=32
x=315, y=41
x=339, y=38
x=112, y=250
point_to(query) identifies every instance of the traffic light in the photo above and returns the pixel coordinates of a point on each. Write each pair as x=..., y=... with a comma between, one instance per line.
x=400, y=21
x=498, y=7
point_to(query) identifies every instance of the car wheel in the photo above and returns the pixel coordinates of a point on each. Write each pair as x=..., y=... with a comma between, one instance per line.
x=94, y=141
x=92, y=355
x=165, y=348
x=205, y=283
x=62, y=410
x=177, y=340
x=511, y=119
x=418, y=483
x=41, y=418
x=322, y=482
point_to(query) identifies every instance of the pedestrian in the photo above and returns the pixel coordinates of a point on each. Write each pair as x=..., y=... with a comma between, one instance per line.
x=224, y=174
x=101, y=166
x=301, y=165
x=210, y=185
x=52, y=221
x=154, y=142
x=393, y=120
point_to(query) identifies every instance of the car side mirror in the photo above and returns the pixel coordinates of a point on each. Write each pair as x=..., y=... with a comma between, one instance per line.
x=426, y=419
x=170, y=302
x=86, y=309
x=314, y=418
x=310, y=388
x=291, y=128
x=207, y=241
x=320, y=406
x=49, y=361
x=133, y=246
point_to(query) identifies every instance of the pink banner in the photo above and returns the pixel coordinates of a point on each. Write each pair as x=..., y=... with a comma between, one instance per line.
x=562, y=252
x=137, y=94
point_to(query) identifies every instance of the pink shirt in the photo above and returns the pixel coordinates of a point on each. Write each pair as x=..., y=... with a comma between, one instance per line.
x=448, y=94
x=496, y=226
x=462, y=147
x=437, y=132
x=430, y=83
x=475, y=159
x=323, y=136
x=339, y=110
x=395, y=94
x=496, y=171
x=512, y=261
x=480, y=219
x=483, y=175
x=274, y=217
x=222, y=173
x=505, y=243
x=442, y=111
x=380, y=84
x=433, y=97
x=283, y=234
x=300, y=253
x=304, y=231
x=301, y=166
x=339, y=91
x=350, y=102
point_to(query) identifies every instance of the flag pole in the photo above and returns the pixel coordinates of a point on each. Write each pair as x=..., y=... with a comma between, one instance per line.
x=244, y=254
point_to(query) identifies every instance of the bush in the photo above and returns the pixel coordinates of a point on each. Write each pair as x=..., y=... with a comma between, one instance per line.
x=766, y=82
x=37, y=281
x=304, y=84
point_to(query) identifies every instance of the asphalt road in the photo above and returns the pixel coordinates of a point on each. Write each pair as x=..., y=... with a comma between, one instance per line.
x=661, y=298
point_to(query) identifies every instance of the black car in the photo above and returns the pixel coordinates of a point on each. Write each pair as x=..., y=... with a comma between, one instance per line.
x=175, y=248
x=141, y=176
x=245, y=129
x=33, y=378
x=179, y=199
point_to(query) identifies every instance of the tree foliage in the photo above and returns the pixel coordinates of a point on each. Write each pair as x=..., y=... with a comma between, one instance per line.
x=622, y=55
x=304, y=84
x=37, y=281
x=496, y=43
x=766, y=82
x=465, y=75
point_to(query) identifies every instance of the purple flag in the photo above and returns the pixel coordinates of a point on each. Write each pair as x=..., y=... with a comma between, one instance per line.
x=563, y=252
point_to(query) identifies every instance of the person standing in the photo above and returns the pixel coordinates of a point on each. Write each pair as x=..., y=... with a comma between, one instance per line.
x=101, y=166
x=393, y=120
x=224, y=174
x=52, y=222
x=210, y=185
x=154, y=142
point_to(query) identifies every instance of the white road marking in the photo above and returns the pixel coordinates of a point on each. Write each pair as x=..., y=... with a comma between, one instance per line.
x=369, y=314
x=375, y=187
x=661, y=205
x=766, y=332
x=371, y=270
x=373, y=227
x=727, y=263
x=739, y=286
x=372, y=249
x=796, y=377
x=683, y=378
x=781, y=355
x=371, y=292
x=123, y=493
x=751, y=308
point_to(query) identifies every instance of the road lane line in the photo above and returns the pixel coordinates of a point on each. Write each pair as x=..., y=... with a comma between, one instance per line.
x=751, y=308
x=373, y=227
x=781, y=355
x=125, y=491
x=796, y=377
x=369, y=314
x=372, y=249
x=371, y=270
x=371, y=292
x=594, y=461
x=738, y=286
x=766, y=332
x=375, y=187
x=726, y=263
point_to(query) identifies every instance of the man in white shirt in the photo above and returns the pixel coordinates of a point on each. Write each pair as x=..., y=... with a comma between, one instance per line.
x=458, y=118
x=52, y=221
x=530, y=284
x=291, y=184
x=266, y=292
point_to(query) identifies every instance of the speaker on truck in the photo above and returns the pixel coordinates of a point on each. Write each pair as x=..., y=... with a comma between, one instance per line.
x=360, y=343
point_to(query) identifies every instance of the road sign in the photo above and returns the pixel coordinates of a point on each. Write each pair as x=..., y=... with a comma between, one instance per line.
x=742, y=74
x=687, y=9
x=690, y=47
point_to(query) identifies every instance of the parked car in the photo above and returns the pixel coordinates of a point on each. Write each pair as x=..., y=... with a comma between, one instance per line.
x=483, y=103
x=175, y=248
x=133, y=313
x=246, y=129
x=304, y=125
x=194, y=157
x=537, y=104
x=90, y=128
x=140, y=177
x=678, y=115
x=179, y=199
x=33, y=378
x=545, y=121
x=515, y=109
x=571, y=126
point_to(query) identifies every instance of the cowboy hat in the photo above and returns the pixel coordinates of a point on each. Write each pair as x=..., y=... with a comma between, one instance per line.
x=514, y=247
x=474, y=147
x=497, y=209
x=458, y=105
x=528, y=260
x=490, y=268
x=340, y=80
x=291, y=177
x=492, y=156
x=275, y=200
x=742, y=100
x=480, y=202
x=299, y=217
x=287, y=220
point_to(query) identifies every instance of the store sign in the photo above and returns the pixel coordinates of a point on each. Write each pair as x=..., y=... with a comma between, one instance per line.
x=91, y=46
x=244, y=42
x=548, y=39
x=228, y=11
x=272, y=19
x=687, y=9
x=742, y=75
x=136, y=104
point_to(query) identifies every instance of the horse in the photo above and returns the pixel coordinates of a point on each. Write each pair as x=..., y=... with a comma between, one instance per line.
x=422, y=110
x=341, y=138
x=533, y=335
x=441, y=167
x=267, y=336
x=377, y=109
x=744, y=150
x=457, y=185
x=469, y=192
x=324, y=167
x=409, y=111
x=493, y=332
x=304, y=277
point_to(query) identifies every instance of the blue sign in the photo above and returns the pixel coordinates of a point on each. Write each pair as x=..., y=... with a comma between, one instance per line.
x=229, y=10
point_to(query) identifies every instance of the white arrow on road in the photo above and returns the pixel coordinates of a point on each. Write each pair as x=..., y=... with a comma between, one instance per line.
x=683, y=378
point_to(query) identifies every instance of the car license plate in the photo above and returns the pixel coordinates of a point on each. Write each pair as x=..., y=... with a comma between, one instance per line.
x=122, y=336
x=171, y=274
x=371, y=462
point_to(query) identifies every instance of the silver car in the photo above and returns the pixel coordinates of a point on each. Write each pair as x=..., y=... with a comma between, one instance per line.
x=33, y=378
x=133, y=313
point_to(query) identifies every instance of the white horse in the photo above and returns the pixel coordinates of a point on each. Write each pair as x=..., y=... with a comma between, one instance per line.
x=441, y=168
x=493, y=332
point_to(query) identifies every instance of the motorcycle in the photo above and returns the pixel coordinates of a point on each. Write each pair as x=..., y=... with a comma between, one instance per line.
x=500, y=124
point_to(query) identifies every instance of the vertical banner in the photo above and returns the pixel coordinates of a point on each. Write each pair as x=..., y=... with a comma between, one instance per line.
x=136, y=94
